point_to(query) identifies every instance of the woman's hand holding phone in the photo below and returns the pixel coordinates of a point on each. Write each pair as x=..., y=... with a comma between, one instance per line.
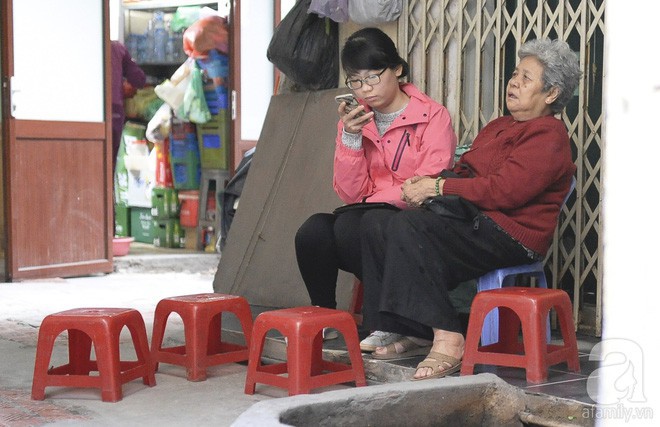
x=351, y=113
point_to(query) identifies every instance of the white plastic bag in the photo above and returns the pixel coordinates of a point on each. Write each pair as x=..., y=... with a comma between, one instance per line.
x=374, y=11
x=158, y=127
x=172, y=91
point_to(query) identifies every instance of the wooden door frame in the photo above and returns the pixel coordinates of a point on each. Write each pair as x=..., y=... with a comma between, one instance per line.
x=240, y=145
x=73, y=131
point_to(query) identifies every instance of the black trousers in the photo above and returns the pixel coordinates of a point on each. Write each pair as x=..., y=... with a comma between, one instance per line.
x=326, y=243
x=411, y=260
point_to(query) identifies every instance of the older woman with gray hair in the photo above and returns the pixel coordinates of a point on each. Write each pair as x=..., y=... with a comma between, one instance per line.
x=497, y=207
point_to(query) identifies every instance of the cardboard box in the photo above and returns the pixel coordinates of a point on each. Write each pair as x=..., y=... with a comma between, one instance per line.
x=122, y=220
x=142, y=225
x=190, y=238
x=139, y=190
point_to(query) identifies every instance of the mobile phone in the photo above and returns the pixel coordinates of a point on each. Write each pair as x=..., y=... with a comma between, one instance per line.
x=351, y=102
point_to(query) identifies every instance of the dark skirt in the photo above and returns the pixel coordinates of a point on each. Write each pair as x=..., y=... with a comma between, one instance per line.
x=413, y=258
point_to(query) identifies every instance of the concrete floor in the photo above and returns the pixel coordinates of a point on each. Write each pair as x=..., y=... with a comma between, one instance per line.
x=140, y=281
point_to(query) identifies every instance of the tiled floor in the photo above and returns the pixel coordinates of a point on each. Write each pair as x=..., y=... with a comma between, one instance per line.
x=561, y=382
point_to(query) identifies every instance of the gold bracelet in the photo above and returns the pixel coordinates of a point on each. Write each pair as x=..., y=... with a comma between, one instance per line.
x=437, y=186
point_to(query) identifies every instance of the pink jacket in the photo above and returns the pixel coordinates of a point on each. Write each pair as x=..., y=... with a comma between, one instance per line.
x=420, y=142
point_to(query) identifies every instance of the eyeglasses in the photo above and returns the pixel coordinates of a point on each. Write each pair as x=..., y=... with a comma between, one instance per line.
x=371, y=80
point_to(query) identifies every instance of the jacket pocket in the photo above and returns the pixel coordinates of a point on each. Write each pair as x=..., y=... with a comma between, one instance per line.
x=405, y=141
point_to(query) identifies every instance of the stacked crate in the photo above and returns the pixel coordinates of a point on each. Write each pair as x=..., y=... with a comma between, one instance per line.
x=214, y=152
x=184, y=156
x=132, y=206
x=165, y=214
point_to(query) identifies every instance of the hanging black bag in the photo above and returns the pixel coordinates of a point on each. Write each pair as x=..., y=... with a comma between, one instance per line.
x=305, y=48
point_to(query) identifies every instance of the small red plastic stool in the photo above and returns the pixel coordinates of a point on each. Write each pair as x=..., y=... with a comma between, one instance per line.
x=303, y=329
x=102, y=327
x=527, y=308
x=202, y=324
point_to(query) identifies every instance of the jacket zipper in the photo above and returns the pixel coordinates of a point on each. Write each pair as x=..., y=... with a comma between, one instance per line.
x=405, y=140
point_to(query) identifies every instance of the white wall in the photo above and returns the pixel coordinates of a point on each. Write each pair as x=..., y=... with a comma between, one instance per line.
x=256, y=71
x=58, y=74
x=629, y=372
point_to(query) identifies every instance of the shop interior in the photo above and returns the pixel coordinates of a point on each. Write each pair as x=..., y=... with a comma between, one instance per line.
x=174, y=159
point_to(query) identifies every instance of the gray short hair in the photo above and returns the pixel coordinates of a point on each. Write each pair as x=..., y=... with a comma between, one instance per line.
x=561, y=67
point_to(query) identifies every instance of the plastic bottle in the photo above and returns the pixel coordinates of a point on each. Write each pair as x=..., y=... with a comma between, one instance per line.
x=148, y=53
x=170, y=50
x=160, y=37
x=181, y=54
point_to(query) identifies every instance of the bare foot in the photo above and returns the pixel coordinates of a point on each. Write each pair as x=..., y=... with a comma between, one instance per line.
x=444, y=342
x=402, y=345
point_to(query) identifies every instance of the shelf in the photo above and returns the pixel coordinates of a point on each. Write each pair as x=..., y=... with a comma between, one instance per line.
x=165, y=4
x=161, y=64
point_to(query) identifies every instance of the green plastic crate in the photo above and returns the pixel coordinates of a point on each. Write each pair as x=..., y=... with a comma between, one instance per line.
x=164, y=203
x=213, y=139
x=168, y=233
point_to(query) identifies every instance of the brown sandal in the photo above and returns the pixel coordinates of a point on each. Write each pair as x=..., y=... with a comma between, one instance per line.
x=438, y=363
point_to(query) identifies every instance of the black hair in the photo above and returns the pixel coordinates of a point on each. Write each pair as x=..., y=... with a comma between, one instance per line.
x=371, y=49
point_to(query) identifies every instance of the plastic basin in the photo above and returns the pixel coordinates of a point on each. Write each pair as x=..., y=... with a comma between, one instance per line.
x=121, y=245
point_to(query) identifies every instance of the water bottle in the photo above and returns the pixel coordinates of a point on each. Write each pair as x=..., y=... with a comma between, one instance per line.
x=132, y=46
x=148, y=39
x=160, y=37
x=170, y=51
x=178, y=44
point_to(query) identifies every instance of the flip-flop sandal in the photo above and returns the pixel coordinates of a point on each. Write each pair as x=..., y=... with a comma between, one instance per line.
x=410, y=349
x=438, y=363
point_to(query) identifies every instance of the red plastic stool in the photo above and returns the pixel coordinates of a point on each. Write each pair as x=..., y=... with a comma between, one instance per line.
x=303, y=329
x=529, y=306
x=101, y=326
x=202, y=324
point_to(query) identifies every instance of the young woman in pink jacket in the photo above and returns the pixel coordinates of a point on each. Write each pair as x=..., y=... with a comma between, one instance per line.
x=395, y=133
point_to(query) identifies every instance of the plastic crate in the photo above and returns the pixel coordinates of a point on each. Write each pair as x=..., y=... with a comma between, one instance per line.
x=180, y=128
x=186, y=175
x=213, y=138
x=168, y=233
x=185, y=162
x=164, y=203
x=216, y=98
x=189, y=212
x=183, y=148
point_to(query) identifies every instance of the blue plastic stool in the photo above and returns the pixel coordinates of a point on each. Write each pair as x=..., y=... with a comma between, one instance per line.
x=505, y=277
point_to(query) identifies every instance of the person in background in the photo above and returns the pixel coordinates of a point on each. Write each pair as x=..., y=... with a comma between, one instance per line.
x=515, y=177
x=395, y=133
x=126, y=76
